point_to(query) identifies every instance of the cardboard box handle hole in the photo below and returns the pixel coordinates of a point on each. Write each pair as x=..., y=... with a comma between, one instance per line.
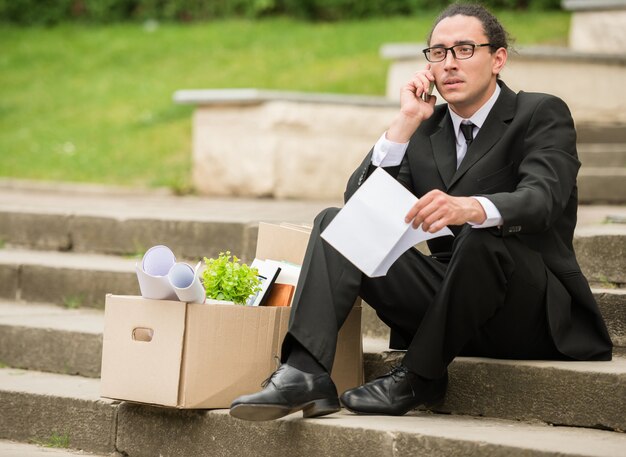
x=143, y=334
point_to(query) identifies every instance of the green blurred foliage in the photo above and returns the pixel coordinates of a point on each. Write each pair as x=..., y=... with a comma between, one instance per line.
x=49, y=12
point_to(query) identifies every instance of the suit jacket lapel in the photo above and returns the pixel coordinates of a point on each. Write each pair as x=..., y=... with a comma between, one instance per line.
x=492, y=130
x=443, y=145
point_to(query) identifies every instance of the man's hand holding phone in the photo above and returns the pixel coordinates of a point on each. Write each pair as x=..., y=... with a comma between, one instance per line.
x=416, y=105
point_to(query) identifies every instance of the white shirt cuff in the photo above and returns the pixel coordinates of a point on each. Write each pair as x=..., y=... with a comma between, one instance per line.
x=387, y=153
x=494, y=218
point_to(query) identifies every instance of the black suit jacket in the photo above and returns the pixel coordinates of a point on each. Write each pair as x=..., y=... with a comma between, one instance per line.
x=524, y=160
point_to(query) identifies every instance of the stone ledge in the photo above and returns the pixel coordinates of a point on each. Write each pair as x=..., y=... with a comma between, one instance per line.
x=592, y=5
x=205, y=97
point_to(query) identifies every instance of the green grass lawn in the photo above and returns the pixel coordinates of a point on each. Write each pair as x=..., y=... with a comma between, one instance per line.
x=94, y=103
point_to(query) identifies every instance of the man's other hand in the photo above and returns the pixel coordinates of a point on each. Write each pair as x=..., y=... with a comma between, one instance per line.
x=436, y=209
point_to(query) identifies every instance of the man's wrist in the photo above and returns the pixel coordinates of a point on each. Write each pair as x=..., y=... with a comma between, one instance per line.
x=402, y=128
x=479, y=216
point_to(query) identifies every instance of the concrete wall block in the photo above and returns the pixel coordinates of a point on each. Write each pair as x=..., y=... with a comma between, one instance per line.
x=598, y=31
x=87, y=288
x=89, y=425
x=233, y=151
x=283, y=149
x=36, y=231
x=50, y=350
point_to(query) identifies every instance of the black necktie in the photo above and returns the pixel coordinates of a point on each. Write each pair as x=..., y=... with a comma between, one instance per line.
x=468, y=133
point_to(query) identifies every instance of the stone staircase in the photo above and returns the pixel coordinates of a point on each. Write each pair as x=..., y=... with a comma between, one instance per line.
x=63, y=248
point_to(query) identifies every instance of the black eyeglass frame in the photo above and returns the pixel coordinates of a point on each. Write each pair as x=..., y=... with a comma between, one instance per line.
x=451, y=49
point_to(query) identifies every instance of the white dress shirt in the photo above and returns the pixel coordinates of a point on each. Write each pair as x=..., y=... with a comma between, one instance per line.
x=388, y=154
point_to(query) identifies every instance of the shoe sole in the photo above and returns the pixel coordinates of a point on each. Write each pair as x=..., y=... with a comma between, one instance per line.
x=259, y=412
x=426, y=405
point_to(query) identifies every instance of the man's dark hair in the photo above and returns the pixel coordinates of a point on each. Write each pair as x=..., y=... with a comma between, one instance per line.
x=497, y=36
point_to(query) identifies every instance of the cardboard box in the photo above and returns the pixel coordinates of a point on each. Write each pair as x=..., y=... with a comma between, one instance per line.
x=184, y=355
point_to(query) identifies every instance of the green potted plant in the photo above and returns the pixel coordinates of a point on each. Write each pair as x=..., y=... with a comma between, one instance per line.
x=227, y=280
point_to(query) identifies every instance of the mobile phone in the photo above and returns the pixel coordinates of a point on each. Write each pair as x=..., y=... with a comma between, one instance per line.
x=426, y=95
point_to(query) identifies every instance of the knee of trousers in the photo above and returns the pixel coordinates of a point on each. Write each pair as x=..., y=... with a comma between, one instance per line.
x=473, y=243
x=322, y=220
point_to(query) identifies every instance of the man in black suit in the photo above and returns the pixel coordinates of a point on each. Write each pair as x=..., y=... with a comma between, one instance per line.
x=499, y=169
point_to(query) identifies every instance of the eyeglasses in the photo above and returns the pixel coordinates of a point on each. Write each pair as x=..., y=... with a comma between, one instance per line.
x=459, y=51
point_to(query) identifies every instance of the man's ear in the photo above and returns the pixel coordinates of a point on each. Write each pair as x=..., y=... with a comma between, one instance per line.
x=499, y=59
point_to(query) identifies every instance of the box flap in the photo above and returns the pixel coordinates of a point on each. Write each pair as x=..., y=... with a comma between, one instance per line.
x=142, y=349
x=282, y=242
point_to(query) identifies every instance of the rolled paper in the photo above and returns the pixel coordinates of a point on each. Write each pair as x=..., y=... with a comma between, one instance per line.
x=153, y=271
x=158, y=260
x=186, y=283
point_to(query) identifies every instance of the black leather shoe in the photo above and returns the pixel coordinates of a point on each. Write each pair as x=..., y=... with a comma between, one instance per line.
x=395, y=393
x=289, y=390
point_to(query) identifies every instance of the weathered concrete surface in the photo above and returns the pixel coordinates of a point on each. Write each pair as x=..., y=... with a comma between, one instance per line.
x=612, y=303
x=51, y=350
x=37, y=230
x=527, y=390
x=36, y=406
x=601, y=252
x=9, y=274
x=187, y=238
x=602, y=185
x=50, y=338
x=74, y=341
x=602, y=155
x=148, y=431
x=70, y=279
x=125, y=224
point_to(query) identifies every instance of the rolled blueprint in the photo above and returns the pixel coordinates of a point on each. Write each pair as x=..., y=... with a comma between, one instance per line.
x=186, y=283
x=153, y=273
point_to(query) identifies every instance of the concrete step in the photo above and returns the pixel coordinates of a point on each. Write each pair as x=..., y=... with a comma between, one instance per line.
x=600, y=133
x=586, y=394
x=124, y=224
x=66, y=279
x=602, y=154
x=53, y=448
x=612, y=304
x=127, y=224
x=45, y=337
x=602, y=185
x=44, y=407
x=70, y=279
x=601, y=251
x=69, y=403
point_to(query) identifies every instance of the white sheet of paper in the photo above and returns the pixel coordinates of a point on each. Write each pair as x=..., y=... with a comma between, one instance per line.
x=370, y=230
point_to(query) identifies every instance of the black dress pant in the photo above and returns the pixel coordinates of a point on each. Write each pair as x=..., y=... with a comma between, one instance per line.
x=487, y=300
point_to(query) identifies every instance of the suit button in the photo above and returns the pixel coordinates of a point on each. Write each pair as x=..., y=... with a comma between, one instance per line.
x=362, y=177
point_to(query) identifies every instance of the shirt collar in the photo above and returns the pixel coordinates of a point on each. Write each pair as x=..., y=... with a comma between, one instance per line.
x=479, y=117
